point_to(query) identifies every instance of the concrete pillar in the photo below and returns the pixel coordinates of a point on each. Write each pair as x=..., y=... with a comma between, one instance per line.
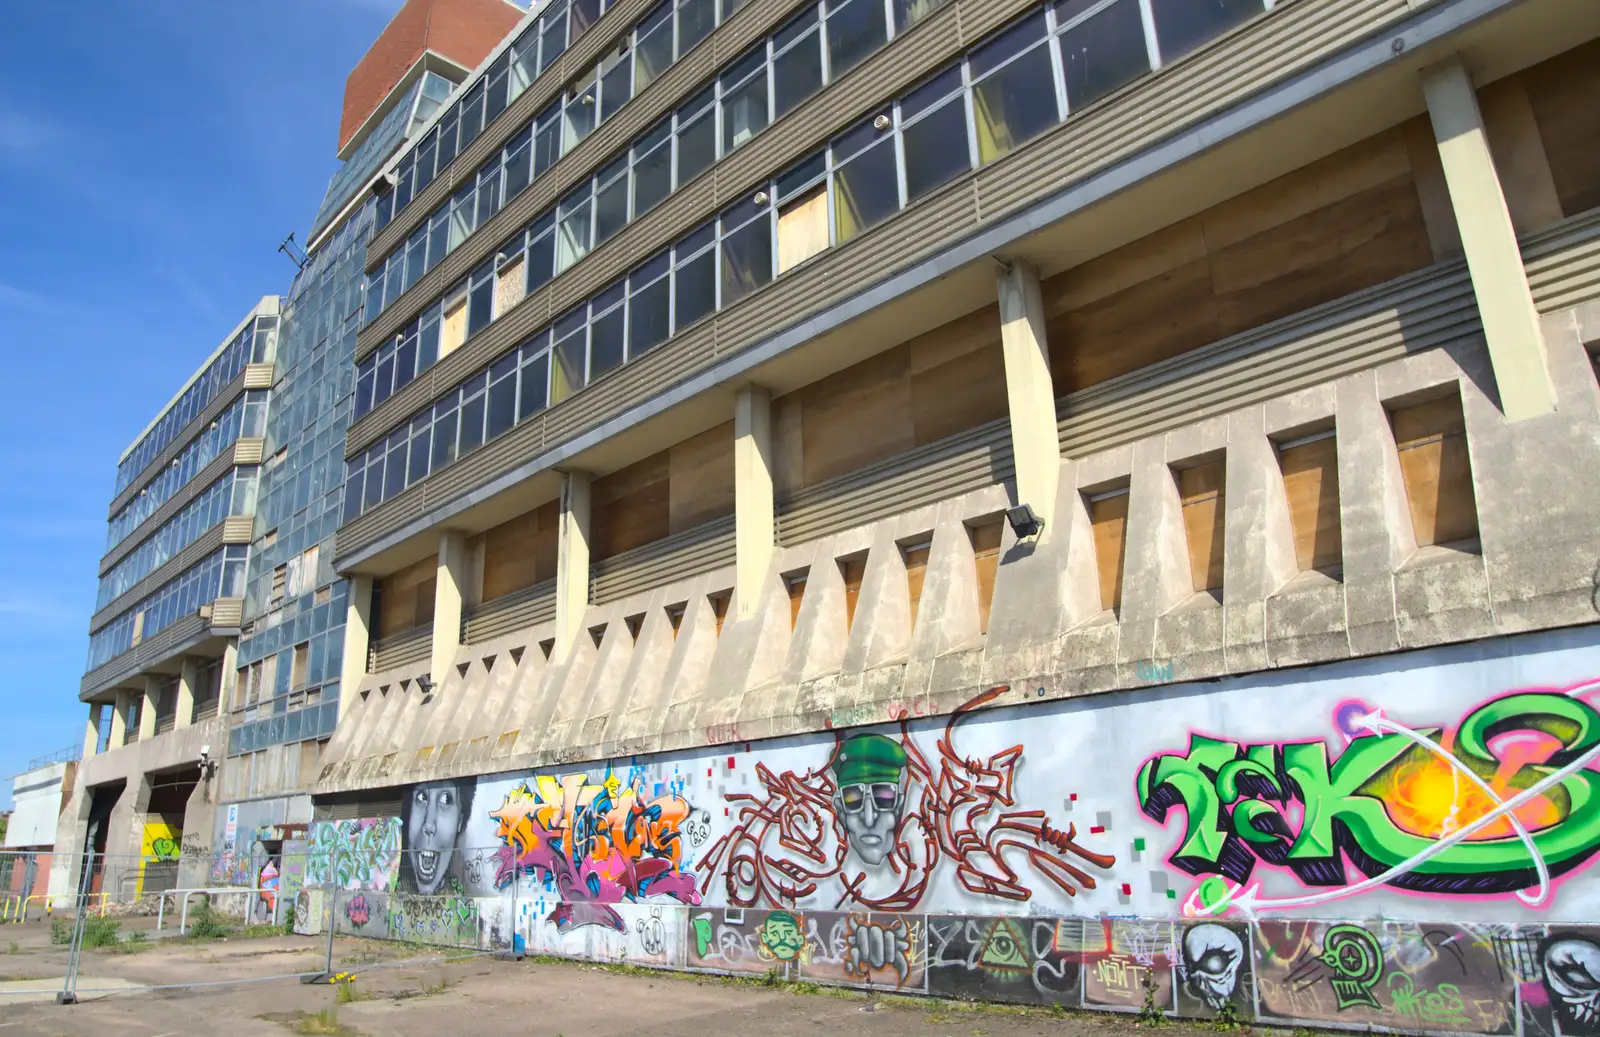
x=1505, y=303
x=753, y=505
x=447, y=601
x=147, y=712
x=1035, y=442
x=91, y=730
x=572, y=562
x=228, y=682
x=119, y=720
x=188, y=676
x=357, y=640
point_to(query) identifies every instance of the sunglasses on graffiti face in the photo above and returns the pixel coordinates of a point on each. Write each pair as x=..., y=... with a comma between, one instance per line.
x=884, y=795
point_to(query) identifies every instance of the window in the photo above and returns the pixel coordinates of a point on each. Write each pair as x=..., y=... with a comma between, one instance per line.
x=1201, y=491
x=635, y=624
x=985, y=538
x=1108, y=519
x=797, y=66
x=1437, y=470
x=675, y=617
x=1015, y=98
x=1183, y=25
x=861, y=178
x=915, y=555
x=280, y=582
x=852, y=570
x=1310, y=467
x=597, y=634
x=795, y=585
x=1103, y=51
x=719, y=607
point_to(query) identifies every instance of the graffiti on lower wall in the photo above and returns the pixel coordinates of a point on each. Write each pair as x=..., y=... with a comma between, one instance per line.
x=355, y=854
x=1502, y=804
x=159, y=849
x=875, y=819
x=1208, y=849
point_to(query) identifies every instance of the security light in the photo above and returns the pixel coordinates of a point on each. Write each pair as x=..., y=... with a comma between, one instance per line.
x=425, y=682
x=1024, y=522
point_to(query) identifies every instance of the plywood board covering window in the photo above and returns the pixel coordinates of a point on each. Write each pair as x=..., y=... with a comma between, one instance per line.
x=1108, y=517
x=795, y=584
x=1311, y=482
x=406, y=598
x=1432, y=441
x=521, y=552
x=986, y=560
x=508, y=287
x=454, y=330
x=915, y=552
x=803, y=229
x=852, y=570
x=719, y=607
x=1201, y=490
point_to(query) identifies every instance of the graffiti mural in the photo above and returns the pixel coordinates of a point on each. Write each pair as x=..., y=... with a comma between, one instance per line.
x=358, y=854
x=851, y=821
x=593, y=844
x=1217, y=850
x=1501, y=804
x=1400, y=976
x=1003, y=958
x=159, y=850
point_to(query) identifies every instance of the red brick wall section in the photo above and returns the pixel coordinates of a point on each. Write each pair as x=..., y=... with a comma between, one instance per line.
x=465, y=31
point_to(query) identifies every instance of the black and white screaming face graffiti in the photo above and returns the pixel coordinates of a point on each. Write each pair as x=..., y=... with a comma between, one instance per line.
x=1572, y=979
x=432, y=818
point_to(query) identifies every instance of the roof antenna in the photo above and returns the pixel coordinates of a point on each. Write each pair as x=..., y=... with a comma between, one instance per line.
x=292, y=249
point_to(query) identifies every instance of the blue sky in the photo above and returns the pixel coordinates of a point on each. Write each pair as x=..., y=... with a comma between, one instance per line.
x=152, y=155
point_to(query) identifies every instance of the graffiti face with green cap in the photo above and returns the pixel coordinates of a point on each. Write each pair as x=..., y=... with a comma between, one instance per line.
x=869, y=776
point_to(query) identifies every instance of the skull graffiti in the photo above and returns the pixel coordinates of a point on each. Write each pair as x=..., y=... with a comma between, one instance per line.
x=1211, y=957
x=1572, y=978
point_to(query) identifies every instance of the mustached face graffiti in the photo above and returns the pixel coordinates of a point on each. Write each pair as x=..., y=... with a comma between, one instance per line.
x=876, y=820
x=1500, y=806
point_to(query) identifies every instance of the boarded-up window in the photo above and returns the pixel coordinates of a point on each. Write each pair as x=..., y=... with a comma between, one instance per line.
x=986, y=557
x=508, y=287
x=1201, y=490
x=1432, y=440
x=454, y=330
x=1108, y=517
x=1562, y=93
x=521, y=552
x=280, y=583
x=795, y=584
x=802, y=229
x=719, y=607
x=299, y=665
x=852, y=570
x=1311, y=482
x=406, y=598
x=915, y=553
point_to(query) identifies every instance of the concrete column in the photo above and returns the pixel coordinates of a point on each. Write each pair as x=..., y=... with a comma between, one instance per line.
x=91, y=730
x=188, y=676
x=147, y=712
x=1505, y=303
x=572, y=563
x=752, y=490
x=357, y=640
x=119, y=720
x=1034, y=440
x=447, y=600
x=228, y=682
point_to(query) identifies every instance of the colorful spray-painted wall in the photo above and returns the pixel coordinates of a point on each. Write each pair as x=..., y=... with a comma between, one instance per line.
x=1200, y=848
x=159, y=849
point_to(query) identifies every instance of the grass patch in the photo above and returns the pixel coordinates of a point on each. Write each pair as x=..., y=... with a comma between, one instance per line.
x=318, y=1024
x=204, y=923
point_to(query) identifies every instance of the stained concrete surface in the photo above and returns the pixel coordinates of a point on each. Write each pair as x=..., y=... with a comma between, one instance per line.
x=399, y=995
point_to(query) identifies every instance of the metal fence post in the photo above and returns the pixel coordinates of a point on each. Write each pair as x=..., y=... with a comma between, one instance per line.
x=69, y=984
